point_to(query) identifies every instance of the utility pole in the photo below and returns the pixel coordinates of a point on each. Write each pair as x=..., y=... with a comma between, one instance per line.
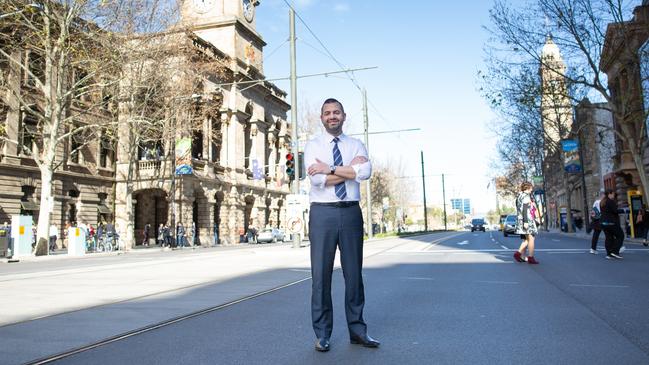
x=370, y=231
x=444, y=197
x=294, y=142
x=423, y=181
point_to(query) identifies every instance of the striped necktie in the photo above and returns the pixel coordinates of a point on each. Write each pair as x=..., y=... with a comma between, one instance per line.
x=341, y=191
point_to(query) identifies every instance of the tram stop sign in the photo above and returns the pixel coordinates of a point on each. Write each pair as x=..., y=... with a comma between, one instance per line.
x=295, y=225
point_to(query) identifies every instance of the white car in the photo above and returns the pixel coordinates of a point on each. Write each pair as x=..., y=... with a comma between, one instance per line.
x=270, y=235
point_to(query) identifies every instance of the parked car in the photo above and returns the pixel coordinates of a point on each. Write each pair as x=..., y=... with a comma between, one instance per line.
x=270, y=235
x=509, y=225
x=478, y=224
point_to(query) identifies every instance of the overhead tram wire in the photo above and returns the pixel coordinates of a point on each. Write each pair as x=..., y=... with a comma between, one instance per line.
x=342, y=67
x=269, y=55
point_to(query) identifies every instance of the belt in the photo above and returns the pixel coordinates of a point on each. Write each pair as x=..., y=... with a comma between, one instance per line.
x=346, y=204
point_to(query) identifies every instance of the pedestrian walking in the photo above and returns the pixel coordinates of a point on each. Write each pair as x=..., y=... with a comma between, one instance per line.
x=161, y=238
x=336, y=164
x=54, y=234
x=641, y=224
x=146, y=234
x=610, y=222
x=166, y=233
x=180, y=235
x=526, y=224
x=596, y=215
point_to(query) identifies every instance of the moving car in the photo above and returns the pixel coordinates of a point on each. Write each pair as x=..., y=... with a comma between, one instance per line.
x=270, y=235
x=478, y=224
x=509, y=225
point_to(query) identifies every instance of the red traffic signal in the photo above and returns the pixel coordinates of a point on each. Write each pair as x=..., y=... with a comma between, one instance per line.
x=290, y=164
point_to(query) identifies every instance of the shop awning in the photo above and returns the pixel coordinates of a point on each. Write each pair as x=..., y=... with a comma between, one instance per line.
x=29, y=205
x=103, y=209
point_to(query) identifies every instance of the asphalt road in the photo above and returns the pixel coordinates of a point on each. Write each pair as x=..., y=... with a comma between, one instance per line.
x=459, y=300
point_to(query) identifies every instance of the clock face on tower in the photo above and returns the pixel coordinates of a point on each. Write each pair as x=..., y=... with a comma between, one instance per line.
x=202, y=6
x=248, y=9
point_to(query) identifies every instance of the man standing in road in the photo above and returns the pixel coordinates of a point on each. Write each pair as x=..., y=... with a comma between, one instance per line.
x=336, y=166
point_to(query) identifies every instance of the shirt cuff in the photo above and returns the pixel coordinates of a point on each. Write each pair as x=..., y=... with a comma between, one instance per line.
x=363, y=171
x=318, y=181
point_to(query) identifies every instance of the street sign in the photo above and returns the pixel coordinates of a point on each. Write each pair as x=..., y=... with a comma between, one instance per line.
x=295, y=225
x=467, y=206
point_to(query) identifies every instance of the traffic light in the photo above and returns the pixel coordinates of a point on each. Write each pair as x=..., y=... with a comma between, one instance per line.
x=290, y=165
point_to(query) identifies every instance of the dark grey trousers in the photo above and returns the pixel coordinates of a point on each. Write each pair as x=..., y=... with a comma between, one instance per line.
x=331, y=227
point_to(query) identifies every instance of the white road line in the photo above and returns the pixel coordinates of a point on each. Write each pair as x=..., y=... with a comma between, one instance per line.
x=463, y=243
x=598, y=286
x=504, y=248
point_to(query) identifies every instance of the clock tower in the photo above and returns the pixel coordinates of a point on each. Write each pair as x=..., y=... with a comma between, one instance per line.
x=229, y=25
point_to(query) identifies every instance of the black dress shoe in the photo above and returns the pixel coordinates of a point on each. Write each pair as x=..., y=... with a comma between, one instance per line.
x=366, y=341
x=322, y=345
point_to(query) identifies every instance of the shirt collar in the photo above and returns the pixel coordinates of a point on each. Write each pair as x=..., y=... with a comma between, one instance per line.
x=330, y=139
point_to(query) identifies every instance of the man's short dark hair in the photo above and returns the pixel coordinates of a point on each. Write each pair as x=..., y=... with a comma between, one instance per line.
x=331, y=101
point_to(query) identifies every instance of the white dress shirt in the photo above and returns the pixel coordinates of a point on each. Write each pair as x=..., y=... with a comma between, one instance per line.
x=321, y=148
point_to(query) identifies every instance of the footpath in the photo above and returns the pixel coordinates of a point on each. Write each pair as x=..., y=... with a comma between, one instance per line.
x=587, y=236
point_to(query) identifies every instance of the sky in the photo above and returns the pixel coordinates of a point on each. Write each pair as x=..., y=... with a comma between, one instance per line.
x=427, y=55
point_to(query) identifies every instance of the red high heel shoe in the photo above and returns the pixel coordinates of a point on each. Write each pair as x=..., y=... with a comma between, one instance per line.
x=518, y=257
x=531, y=260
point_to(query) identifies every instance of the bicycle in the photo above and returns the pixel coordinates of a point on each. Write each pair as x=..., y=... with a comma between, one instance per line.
x=108, y=243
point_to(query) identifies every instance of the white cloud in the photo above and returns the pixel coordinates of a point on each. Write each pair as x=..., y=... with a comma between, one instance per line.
x=341, y=7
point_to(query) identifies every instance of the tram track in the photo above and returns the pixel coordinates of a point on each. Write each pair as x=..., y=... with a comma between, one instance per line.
x=152, y=327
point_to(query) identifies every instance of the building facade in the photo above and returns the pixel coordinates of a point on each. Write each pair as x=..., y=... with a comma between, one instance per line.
x=623, y=62
x=108, y=180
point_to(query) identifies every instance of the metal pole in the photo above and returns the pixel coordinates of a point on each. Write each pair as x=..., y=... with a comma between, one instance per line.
x=370, y=231
x=423, y=182
x=583, y=184
x=444, y=198
x=294, y=141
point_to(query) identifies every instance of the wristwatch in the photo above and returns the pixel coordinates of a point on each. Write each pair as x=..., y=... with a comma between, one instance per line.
x=332, y=168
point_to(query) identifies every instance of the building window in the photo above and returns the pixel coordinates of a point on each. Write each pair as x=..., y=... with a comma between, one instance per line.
x=197, y=144
x=105, y=151
x=217, y=140
x=36, y=67
x=247, y=145
x=76, y=143
x=150, y=150
x=28, y=135
x=267, y=152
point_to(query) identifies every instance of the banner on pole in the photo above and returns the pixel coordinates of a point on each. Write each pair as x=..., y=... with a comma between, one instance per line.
x=184, y=156
x=570, y=147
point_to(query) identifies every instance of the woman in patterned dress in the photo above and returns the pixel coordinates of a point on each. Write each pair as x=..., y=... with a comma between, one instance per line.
x=526, y=224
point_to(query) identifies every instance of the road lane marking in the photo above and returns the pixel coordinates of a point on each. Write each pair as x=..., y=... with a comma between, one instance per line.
x=504, y=248
x=463, y=243
x=598, y=286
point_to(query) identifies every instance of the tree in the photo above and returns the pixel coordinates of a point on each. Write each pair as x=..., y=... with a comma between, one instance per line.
x=69, y=63
x=83, y=59
x=579, y=28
